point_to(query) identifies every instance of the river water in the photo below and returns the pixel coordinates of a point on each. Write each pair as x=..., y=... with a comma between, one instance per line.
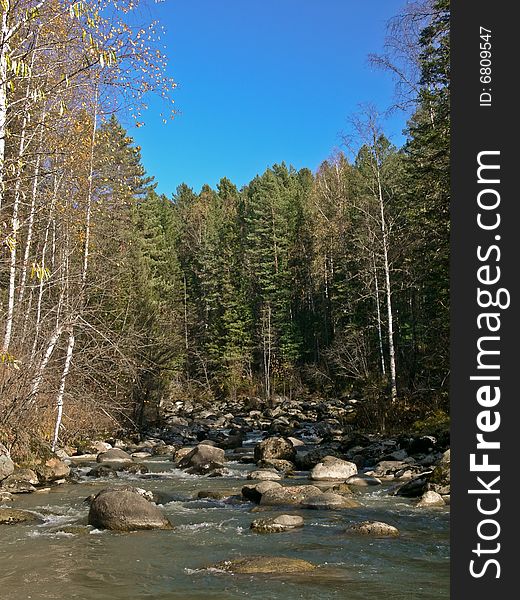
x=63, y=558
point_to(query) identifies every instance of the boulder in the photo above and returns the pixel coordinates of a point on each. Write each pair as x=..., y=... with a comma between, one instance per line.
x=164, y=450
x=12, y=516
x=22, y=481
x=430, y=499
x=214, y=494
x=295, y=442
x=264, y=475
x=5, y=496
x=203, y=458
x=255, y=492
x=52, y=469
x=331, y=468
x=361, y=480
x=134, y=468
x=180, y=453
x=125, y=511
x=115, y=456
x=6, y=464
x=374, y=528
x=275, y=447
x=329, y=501
x=289, y=495
x=266, y=564
x=95, y=447
x=102, y=471
x=211, y=469
x=277, y=524
x=414, y=488
x=388, y=468
x=306, y=460
x=441, y=475
x=278, y=464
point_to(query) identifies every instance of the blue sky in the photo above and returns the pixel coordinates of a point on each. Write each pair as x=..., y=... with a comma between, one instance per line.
x=262, y=81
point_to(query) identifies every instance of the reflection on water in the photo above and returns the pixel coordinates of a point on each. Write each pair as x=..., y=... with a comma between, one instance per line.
x=65, y=558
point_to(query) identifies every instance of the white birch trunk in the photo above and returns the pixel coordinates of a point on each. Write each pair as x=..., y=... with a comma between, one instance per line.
x=61, y=391
x=391, y=348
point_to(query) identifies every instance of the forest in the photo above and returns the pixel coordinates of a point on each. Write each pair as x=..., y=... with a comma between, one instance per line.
x=115, y=300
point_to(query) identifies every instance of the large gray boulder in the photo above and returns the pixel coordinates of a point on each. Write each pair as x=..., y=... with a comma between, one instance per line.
x=52, y=469
x=202, y=459
x=13, y=516
x=332, y=468
x=277, y=524
x=289, y=495
x=125, y=510
x=374, y=528
x=255, y=492
x=329, y=501
x=115, y=456
x=275, y=448
x=21, y=481
x=6, y=464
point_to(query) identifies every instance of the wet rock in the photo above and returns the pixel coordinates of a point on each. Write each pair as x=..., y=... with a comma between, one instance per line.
x=102, y=471
x=203, y=459
x=255, y=492
x=214, y=494
x=278, y=464
x=95, y=447
x=12, y=516
x=277, y=524
x=306, y=460
x=164, y=450
x=21, y=481
x=135, y=468
x=180, y=453
x=141, y=455
x=361, y=480
x=264, y=475
x=125, y=511
x=115, y=456
x=5, y=497
x=441, y=475
x=329, y=501
x=374, y=528
x=422, y=445
x=331, y=468
x=211, y=469
x=266, y=564
x=339, y=488
x=354, y=439
x=74, y=529
x=430, y=499
x=6, y=464
x=295, y=442
x=396, y=455
x=275, y=447
x=388, y=468
x=289, y=495
x=52, y=470
x=412, y=489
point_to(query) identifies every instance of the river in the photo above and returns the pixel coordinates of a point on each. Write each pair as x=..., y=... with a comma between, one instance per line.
x=63, y=558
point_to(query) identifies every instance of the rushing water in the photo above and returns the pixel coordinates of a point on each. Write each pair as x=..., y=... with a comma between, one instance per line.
x=54, y=561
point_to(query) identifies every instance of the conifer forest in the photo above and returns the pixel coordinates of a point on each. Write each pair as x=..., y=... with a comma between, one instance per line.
x=117, y=301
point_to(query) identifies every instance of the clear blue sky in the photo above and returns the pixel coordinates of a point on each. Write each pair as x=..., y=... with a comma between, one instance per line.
x=262, y=81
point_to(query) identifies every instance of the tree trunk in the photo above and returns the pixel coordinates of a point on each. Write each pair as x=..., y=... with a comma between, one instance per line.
x=61, y=391
x=391, y=348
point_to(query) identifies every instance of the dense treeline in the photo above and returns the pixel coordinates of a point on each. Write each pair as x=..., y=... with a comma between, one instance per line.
x=115, y=299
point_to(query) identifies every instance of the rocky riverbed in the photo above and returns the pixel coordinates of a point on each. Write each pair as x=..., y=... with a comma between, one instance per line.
x=298, y=514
